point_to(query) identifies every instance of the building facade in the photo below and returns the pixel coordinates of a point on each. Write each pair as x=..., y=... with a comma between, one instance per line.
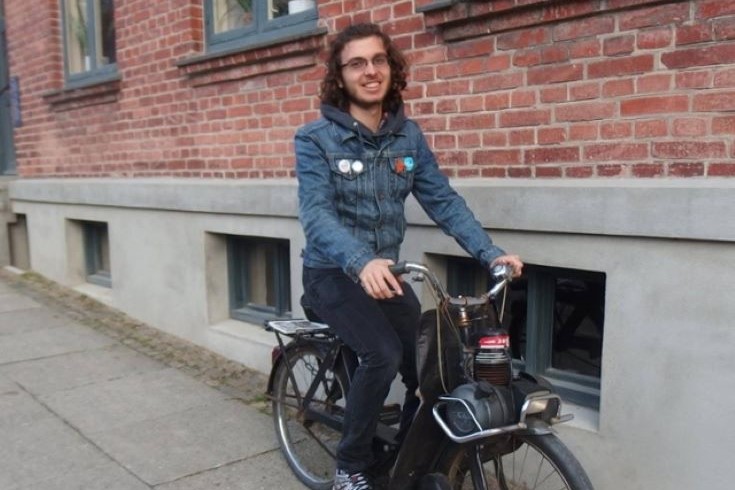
x=147, y=161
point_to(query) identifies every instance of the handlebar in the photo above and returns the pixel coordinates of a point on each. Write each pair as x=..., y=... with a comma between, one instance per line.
x=502, y=274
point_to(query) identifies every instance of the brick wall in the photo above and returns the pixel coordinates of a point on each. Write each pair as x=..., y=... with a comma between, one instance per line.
x=503, y=88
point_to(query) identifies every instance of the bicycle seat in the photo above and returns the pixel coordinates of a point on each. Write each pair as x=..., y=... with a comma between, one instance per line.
x=309, y=312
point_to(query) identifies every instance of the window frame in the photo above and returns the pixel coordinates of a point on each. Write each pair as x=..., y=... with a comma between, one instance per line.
x=240, y=306
x=580, y=389
x=96, y=74
x=260, y=31
x=95, y=234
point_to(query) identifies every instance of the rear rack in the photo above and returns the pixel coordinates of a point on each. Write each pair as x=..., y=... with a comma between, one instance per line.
x=294, y=327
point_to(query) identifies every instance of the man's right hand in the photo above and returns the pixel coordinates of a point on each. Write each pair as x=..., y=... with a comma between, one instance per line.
x=378, y=281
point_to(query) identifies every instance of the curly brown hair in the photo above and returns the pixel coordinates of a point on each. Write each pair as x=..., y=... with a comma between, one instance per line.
x=331, y=91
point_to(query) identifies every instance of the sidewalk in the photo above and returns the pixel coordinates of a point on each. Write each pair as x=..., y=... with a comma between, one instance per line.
x=90, y=399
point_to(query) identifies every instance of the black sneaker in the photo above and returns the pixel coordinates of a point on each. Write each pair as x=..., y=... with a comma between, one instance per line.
x=353, y=481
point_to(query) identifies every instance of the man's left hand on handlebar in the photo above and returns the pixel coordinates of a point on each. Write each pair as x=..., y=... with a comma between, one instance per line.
x=514, y=261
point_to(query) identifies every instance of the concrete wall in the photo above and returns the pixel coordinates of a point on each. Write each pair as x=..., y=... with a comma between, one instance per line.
x=666, y=248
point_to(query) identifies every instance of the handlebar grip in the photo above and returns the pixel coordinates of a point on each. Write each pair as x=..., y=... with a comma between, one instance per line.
x=398, y=269
x=502, y=271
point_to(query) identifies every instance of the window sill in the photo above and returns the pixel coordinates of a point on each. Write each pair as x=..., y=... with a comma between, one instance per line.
x=99, y=91
x=292, y=52
x=466, y=19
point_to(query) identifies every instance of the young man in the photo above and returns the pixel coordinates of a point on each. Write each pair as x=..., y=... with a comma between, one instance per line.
x=356, y=165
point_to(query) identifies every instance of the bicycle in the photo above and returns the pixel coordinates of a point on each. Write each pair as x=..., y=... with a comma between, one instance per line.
x=480, y=426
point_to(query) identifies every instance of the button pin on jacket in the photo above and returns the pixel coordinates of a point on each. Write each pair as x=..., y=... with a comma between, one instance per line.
x=343, y=166
x=409, y=163
x=357, y=166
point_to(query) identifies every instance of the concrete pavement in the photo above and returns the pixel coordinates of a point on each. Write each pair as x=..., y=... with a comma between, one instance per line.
x=90, y=399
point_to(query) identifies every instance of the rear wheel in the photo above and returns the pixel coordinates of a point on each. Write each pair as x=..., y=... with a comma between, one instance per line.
x=539, y=462
x=308, y=446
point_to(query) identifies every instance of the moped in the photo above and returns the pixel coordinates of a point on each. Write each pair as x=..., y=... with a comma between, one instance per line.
x=480, y=425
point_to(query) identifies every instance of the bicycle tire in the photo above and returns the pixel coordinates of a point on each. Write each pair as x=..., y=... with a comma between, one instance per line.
x=539, y=462
x=308, y=446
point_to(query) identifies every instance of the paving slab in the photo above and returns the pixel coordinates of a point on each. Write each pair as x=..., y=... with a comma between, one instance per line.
x=121, y=402
x=77, y=369
x=30, y=319
x=10, y=301
x=264, y=472
x=18, y=407
x=188, y=442
x=108, y=476
x=43, y=448
x=49, y=342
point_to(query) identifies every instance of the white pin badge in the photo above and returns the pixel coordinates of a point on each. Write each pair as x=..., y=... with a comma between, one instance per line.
x=343, y=166
x=357, y=166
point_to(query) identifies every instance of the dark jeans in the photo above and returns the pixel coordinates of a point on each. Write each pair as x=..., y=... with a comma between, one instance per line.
x=383, y=334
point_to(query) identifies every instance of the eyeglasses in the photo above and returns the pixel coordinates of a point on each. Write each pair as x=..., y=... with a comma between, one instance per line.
x=360, y=64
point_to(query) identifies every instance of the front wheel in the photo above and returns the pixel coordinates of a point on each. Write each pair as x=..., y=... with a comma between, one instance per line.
x=308, y=445
x=537, y=462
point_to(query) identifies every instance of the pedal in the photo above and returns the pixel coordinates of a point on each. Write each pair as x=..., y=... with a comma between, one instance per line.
x=390, y=414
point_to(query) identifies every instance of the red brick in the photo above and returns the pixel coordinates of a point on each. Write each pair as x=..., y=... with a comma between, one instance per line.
x=551, y=155
x=692, y=34
x=554, y=54
x=584, y=111
x=721, y=169
x=618, y=45
x=694, y=79
x=555, y=74
x=694, y=169
x=609, y=170
x=656, y=82
x=714, y=8
x=654, y=38
x=524, y=118
x=524, y=38
x=493, y=102
x=584, y=91
x=650, y=129
x=528, y=57
x=583, y=132
x=616, y=130
x=496, y=157
x=724, y=29
x=715, y=102
x=725, y=78
x=654, y=105
x=519, y=172
x=621, y=66
x=718, y=54
x=493, y=82
x=549, y=136
x=688, y=149
x=647, y=170
x=523, y=98
x=548, y=171
x=521, y=137
x=579, y=172
x=475, y=121
x=589, y=27
x=654, y=16
x=616, y=88
x=603, y=152
x=689, y=126
x=724, y=125
x=554, y=94
x=585, y=48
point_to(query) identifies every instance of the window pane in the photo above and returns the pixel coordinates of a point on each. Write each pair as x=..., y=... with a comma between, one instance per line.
x=261, y=275
x=277, y=8
x=77, y=45
x=106, y=33
x=578, y=323
x=231, y=14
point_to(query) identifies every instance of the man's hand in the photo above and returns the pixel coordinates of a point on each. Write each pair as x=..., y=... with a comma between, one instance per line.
x=378, y=281
x=513, y=261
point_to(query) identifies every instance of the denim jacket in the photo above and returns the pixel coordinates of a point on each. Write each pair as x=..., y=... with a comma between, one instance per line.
x=353, y=185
